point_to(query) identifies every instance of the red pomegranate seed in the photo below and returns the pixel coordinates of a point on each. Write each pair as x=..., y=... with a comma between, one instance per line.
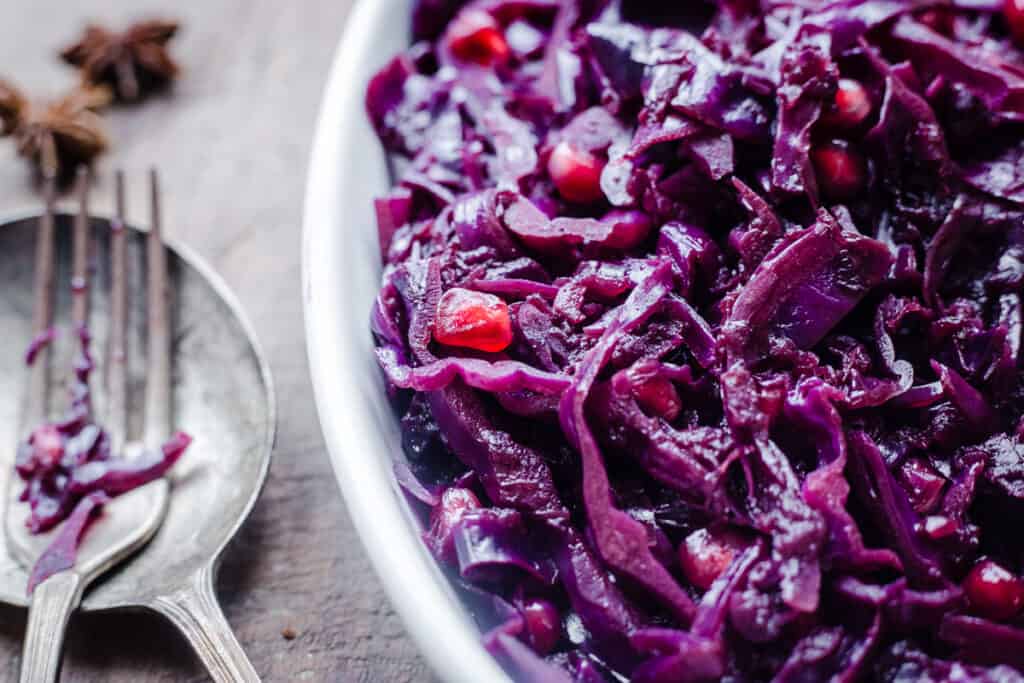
x=576, y=173
x=543, y=627
x=658, y=395
x=455, y=503
x=705, y=554
x=939, y=526
x=47, y=446
x=840, y=170
x=993, y=592
x=852, y=105
x=1014, y=12
x=474, y=36
x=475, y=320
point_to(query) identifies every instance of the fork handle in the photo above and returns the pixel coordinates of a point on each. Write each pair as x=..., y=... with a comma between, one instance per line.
x=196, y=613
x=53, y=601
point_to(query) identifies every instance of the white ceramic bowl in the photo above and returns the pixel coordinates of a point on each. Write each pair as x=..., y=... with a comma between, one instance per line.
x=341, y=271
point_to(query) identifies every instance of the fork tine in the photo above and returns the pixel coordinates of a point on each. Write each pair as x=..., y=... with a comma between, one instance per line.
x=158, y=351
x=36, y=389
x=80, y=237
x=80, y=255
x=117, y=407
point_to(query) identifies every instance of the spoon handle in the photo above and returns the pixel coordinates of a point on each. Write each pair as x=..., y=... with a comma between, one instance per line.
x=53, y=601
x=197, y=615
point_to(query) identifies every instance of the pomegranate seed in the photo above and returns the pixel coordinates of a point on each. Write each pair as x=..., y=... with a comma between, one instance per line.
x=47, y=446
x=475, y=320
x=455, y=503
x=993, y=592
x=658, y=395
x=1014, y=12
x=474, y=36
x=576, y=173
x=705, y=554
x=939, y=526
x=841, y=171
x=543, y=627
x=852, y=105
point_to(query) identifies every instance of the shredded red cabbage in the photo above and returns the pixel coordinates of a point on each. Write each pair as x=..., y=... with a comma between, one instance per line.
x=70, y=472
x=703, y=320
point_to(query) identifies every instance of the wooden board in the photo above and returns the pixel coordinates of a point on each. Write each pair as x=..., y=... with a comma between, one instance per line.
x=232, y=145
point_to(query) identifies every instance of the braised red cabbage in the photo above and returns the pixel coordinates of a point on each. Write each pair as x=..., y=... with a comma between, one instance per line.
x=703, y=321
x=69, y=470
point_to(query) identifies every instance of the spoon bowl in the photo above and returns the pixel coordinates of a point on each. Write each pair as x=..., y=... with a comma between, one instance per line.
x=222, y=396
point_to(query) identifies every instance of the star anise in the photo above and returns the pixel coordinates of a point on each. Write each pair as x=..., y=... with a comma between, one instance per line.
x=132, y=63
x=55, y=136
x=12, y=107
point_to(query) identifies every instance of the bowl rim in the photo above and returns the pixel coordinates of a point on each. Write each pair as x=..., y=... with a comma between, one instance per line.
x=418, y=592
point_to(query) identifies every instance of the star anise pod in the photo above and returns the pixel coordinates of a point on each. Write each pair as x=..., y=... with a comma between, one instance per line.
x=132, y=63
x=55, y=136
x=12, y=107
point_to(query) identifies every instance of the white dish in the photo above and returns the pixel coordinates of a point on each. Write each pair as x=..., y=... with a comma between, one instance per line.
x=341, y=271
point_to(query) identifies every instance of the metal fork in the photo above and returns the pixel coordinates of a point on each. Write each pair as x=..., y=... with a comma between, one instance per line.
x=130, y=520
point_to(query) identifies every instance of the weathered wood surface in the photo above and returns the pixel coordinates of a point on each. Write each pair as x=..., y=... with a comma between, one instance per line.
x=232, y=144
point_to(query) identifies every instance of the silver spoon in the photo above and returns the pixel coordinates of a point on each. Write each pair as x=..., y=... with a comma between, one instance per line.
x=222, y=396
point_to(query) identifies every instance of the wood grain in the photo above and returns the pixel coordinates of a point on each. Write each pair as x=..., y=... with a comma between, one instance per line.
x=232, y=143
